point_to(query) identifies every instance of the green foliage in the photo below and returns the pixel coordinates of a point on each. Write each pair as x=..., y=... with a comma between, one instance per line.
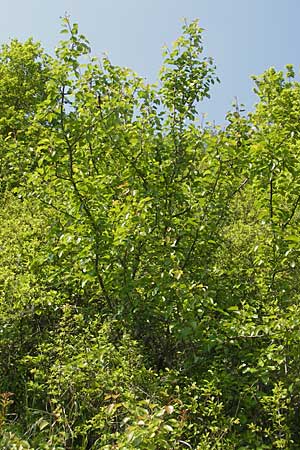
x=149, y=265
x=23, y=74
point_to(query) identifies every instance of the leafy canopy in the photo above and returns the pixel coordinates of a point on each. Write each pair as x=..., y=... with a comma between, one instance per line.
x=149, y=291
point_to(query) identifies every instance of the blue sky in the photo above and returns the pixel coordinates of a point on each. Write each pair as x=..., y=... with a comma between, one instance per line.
x=245, y=37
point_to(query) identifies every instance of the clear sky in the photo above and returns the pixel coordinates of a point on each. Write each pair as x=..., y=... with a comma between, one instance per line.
x=245, y=37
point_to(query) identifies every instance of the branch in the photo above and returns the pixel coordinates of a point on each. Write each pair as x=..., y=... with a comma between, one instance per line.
x=271, y=198
x=192, y=247
x=50, y=205
x=240, y=187
x=292, y=213
x=82, y=200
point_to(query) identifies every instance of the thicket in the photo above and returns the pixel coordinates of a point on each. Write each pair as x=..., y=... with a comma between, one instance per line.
x=149, y=264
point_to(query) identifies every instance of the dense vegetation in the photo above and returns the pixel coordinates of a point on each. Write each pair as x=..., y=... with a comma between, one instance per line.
x=149, y=281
